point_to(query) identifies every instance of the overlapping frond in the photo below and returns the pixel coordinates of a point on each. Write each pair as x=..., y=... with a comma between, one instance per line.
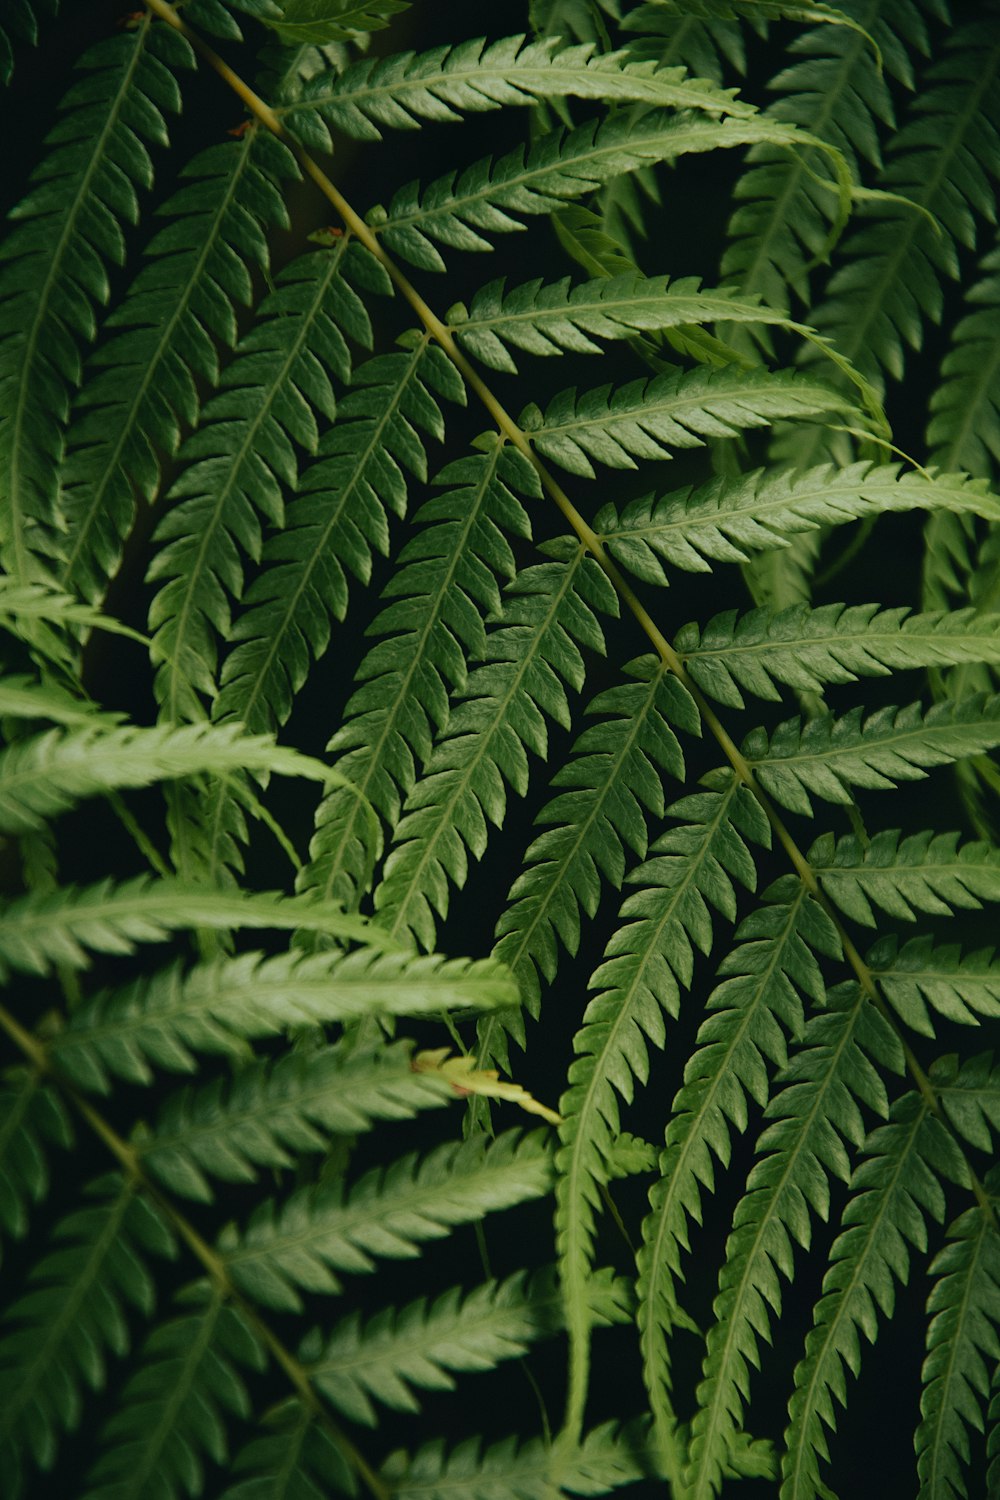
x=447, y=581
x=45, y=930
x=299, y=1244
x=33, y=1119
x=614, y=784
x=827, y=756
x=54, y=267
x=296, y=1458
x=694, y=869
x=390, y=1356
x=838, y=89
x=549, y=612
x=727, y=520
x=166, y=1019
x=299, y=21
x=339, y=517
x=146, y=383
x=60, y=1335
x=805, y=648
x=925, y=872
x=400, y=92
x=172, y=1412
x=463, y=210
x=964, y=427
x=969, y=1093
x=919, y=973
x=243, y=459
x=753, y=1011
x=269, y=1116
x=895, y=1189
x=816, y=1117
x=962, y=1344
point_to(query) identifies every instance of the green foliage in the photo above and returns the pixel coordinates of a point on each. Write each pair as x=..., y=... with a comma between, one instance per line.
x=301, y=629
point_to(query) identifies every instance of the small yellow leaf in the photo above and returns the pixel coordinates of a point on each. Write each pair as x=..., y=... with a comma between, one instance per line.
x=465, y=1078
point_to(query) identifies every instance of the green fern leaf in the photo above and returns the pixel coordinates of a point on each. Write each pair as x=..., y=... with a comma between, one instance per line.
x=42, y=931
x=925, y=872
x=959, y=987
x=21, y=21
x=334, y=525
x=27, y=610
x=826, y=756
x=384, y=1358
x=647, y=419
x=965, y=1310
x=296, y=1460
x=26, y=698
x=322, y=21
x=180, y=308
x=447, y=580
x=271, y=1115
x=166, y=1019
x=42, y=776
x=970, y=1097
x=242, y=459
x=895, y=1189
x=835, y=1068
x=55, y=266
x=617, y=782
x=964, y=429
x=548, y=318
x=57, y=1337
x=753, y=1011
x=171, y=1413
x=461, y=211
x=399, y=92
x=32, y=1119
x=693, y=870
x=298, y=1245
x=548, y=610
x=806, y=648
x=729, y=519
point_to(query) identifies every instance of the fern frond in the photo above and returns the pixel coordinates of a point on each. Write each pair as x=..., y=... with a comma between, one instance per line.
x=54, y=267
x=729, y=519
x=715, y=51
x=944, y=162
x=826, y=756
x=550, y=610
x=242, y=460
x=146, y=384
x=839, y=90
x=962, y=1336
x=338, y=21
x=835, y=1068
x=42, y=931
x=753, y=1011
x=606, y=1458
x=270, y=1115
x=27, y=610
x=446, y=582
x=165, y=1019
x=462, y=211
x=333, y=526
x=298, y=1245
x=616, y=777
x=171, y=1413
x=21, y=21
x=648, y=419
x=32, y=1119
x=26, y=698
x=964, y=427
x=387, y=1357
x=960, y=987
x=805, y=648
x=443, y=85
x=42, y=776
x=895, y=1189
x=694, y=868
x=296, y=1460
x=548, y=318
x=925, y=872
x=969, y=1093
x=59, y=1334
